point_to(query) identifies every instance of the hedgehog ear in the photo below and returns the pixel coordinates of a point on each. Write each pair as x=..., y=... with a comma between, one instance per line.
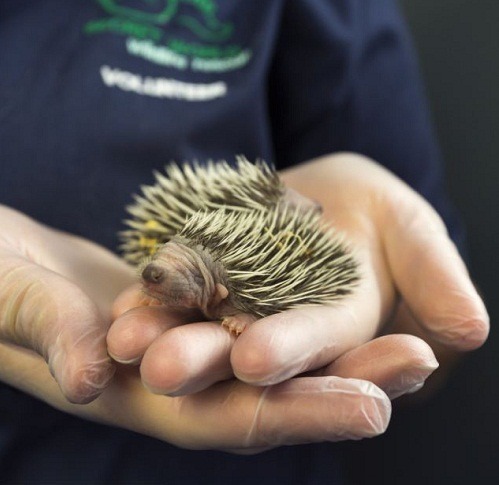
x=221, y=293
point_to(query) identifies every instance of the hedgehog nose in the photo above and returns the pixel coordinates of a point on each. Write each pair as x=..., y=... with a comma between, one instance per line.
x=153, y=274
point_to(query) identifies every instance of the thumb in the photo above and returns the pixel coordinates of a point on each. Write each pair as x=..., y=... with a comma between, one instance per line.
x=42, y=311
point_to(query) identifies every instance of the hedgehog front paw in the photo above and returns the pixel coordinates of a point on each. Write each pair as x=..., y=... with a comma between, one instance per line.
x=237, y=323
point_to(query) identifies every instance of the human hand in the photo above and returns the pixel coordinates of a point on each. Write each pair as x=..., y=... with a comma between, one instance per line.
x=300, y=360
x=231, y=415
x=412, y=276
x=55, y=297
x=56, y=292
x=402, y=248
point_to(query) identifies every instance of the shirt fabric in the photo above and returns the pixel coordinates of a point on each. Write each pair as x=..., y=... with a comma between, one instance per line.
x=95, y=95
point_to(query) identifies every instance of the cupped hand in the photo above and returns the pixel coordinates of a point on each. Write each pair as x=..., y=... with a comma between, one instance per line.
x=241, y=418
x=411, y=276
x=406, y=262
x=56, y=293
x=55, y=298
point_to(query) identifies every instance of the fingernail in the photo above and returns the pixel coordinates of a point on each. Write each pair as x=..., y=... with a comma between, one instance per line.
x=410, y=383
x=152, y=389
x=475, y=338
x=395, y=392
x=381, y=418
x=134, y=361
x=85, y=385
x=416, y=388
x=162, y=391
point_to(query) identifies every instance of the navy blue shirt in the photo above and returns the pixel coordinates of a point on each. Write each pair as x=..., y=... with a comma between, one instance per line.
x=94, y=95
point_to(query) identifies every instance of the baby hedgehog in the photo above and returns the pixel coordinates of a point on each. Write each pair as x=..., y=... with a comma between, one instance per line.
x=234, y=243
x=163, y=209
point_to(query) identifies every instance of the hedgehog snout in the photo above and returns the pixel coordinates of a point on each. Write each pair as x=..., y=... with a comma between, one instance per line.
x=153, y=274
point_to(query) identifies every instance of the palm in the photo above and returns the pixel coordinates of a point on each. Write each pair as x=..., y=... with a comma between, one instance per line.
x=403, y=250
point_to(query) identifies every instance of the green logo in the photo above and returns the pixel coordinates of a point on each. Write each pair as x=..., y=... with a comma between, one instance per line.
x=143, y=22
x=197, y=16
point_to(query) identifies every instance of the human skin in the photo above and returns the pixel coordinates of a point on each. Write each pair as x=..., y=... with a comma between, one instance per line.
x=410, y=271
x=402, y=247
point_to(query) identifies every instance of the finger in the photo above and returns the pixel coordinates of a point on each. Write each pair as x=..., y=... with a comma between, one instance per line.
x=431, y=276
x=286, y=344
x=134, y=331
x=42, y=311
x=132, y=297
x=187, y=359
x=301, y=410
x=423, y=261
x=227, y=416
x=398, y=364
x=448, y=358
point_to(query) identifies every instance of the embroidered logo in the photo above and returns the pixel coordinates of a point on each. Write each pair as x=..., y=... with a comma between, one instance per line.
x=203, y=22
x=198, y=41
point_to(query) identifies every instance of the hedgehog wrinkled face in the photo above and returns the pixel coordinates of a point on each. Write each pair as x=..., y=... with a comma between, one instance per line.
x=172, y=286
x=184, y=276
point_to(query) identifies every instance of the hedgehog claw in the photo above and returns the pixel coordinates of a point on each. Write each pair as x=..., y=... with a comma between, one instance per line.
x=236, y=324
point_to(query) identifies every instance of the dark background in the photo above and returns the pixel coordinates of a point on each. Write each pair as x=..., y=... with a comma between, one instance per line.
x=454, y=438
